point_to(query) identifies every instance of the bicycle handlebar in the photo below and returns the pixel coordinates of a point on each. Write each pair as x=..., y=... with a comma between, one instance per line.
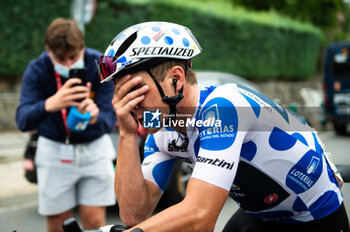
x=71, y=225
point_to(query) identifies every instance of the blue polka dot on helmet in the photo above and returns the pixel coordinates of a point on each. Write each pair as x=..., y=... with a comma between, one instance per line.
x=147, y=44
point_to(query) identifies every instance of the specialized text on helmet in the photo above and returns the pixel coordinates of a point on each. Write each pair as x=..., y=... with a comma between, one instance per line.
x=161, y=51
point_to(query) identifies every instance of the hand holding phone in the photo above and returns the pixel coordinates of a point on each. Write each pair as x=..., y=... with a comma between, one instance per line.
x=78, y=73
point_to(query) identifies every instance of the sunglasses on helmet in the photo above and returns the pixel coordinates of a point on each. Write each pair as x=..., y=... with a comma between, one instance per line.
x=107, y=67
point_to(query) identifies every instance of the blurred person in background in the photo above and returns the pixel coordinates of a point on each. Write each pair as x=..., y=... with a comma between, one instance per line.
x=74, y=166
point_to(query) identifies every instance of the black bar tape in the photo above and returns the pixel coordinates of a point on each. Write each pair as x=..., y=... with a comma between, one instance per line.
x=137, y=230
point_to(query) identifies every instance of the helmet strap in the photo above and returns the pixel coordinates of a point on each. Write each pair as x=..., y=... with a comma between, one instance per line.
x=171, y=101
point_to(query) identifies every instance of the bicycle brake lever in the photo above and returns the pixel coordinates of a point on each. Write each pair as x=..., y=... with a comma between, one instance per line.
x=71, y=225
x=118, y=228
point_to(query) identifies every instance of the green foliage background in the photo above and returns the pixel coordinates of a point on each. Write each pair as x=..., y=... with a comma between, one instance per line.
x=320, y=12
x=22, y=29
x=254, y=45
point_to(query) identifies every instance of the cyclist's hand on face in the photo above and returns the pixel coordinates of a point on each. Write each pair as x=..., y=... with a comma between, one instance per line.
x=67, y=96
x=125, y=100
x=88, y=105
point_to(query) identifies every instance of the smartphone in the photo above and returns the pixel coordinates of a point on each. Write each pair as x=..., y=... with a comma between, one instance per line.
x=78, y=73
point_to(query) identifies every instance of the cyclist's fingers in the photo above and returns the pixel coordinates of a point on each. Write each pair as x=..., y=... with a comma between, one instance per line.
x=127, y=86
x=131, y=95
x=125, y=110
x=121, y=82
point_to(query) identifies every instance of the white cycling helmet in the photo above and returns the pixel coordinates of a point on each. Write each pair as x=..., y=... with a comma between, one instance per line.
x=144, y=45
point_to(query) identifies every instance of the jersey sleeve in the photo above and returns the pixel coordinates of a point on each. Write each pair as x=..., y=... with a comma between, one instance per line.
x=221, y=142
x=157, y=166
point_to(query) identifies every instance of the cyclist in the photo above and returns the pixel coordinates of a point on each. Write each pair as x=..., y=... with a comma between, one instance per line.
x=238, y=142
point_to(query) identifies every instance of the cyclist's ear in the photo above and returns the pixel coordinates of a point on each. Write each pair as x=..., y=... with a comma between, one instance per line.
x=176, y=77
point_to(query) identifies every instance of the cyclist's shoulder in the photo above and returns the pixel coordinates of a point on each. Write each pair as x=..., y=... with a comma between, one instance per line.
x=218, y=89
x=210, y=94
x=224, y=100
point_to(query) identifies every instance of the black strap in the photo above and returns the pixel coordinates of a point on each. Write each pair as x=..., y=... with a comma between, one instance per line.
x=171, y=101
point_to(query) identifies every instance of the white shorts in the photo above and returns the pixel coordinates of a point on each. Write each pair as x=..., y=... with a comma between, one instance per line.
x=88, y=180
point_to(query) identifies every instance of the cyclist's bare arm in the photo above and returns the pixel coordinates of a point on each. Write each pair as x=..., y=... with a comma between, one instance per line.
x=197, y=212
x=136, y=199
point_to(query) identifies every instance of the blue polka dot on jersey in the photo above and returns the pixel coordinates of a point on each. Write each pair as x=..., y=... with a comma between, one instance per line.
x=186, y=42
x=155, y=28
x=168, y=40
x=321, y=209
x=161, y=173
x=317, y=144
x=281, y=140
x=145, y=40
x=299, y=137
x=176, y=31
x=331, y=176
x=299, y=205
x=248, y=150
x=150, y=146
x=255, y=106
x=196, y=146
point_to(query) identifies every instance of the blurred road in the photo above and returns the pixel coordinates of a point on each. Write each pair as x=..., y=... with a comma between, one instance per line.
x=18, y=198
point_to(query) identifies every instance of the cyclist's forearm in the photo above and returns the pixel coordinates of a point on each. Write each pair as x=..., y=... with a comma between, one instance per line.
x=132, y=192
x=197, y=212
x=182, y=217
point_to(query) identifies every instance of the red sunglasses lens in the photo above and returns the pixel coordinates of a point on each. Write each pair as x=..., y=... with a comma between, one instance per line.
x=108, y=65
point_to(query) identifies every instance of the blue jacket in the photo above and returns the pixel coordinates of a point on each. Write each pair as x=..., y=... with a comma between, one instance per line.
x=39, y=83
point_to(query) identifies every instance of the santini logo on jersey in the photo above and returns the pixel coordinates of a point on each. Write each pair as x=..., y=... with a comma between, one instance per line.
x=217, y=162
x=154, y=51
